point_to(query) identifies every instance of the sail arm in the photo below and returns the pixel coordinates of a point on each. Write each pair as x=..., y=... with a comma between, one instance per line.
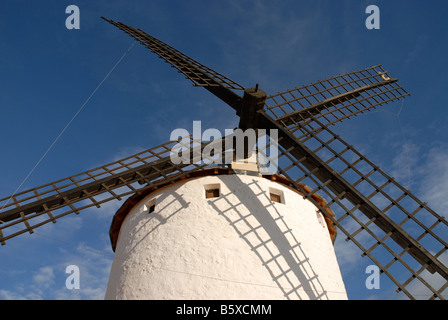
x=28, y=210
x=390, y=219
x=335, y=99
x=201, y=75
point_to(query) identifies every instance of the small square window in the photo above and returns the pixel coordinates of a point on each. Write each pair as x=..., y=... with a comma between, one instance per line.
x=276, y=195
x=150, y=206
x=321, y=219
x=212, y=191
x=275, y=198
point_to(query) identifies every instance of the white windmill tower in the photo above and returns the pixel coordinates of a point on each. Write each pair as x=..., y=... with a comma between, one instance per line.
x=224, y=234
x=197, y=231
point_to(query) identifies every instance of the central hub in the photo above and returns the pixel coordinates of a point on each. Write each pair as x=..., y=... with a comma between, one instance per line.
x=253, y=101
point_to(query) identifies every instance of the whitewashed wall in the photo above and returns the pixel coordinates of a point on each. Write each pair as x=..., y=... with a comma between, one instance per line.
x=238, y=246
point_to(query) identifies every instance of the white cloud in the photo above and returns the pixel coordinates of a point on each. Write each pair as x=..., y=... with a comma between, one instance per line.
x=9, y=295
x=44, y=277
x=63, y=229
x=348, y=254
x=420, y=291
x=49, y=282
x=404, y=163
x=19, y=294
x=434, y=180
x=94, y=269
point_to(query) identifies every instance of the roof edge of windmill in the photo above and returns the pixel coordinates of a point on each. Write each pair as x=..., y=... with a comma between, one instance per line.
x=132, y=201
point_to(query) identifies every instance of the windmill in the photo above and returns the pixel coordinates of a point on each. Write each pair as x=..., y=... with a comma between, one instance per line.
x=398, y=232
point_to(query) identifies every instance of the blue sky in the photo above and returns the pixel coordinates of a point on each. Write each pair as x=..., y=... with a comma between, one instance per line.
x=47, y=72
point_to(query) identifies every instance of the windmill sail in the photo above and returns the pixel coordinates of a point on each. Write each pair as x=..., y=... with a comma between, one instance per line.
x=337, y=98
x=25, y=211
x=397, y=231
x=199, y=74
